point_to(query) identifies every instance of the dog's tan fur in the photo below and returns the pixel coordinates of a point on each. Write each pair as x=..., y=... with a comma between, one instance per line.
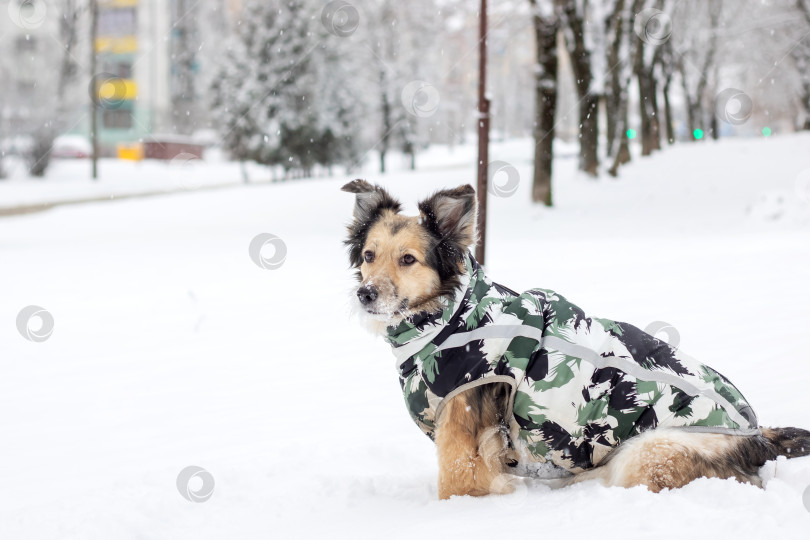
x=471, y=455
x=474, y=450
x=669, y=458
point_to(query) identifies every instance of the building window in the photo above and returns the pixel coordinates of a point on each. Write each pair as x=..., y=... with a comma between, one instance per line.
x=117, y=119
x=26, y=44
x=119, y=69
x=124, y=70
x=117, y=22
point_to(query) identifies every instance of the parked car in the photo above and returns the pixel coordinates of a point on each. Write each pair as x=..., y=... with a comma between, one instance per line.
x=71, y=146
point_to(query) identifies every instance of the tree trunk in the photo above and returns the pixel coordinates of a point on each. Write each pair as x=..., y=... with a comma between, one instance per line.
x=386, y=118
x=649, y=129
x=546, y=106
x=545, y=100
x=622, y=154
x=183, y=53
x=623, y=69
x=655, y=121
x=614, y=89
x=610, y=106
x=695, y=103
x=589, y=134
x=648, y=103
x=666, y=61
x=804, y=8
x=693, y=113
x=69, y=36
x=714, y=127
x=643, y=99
x=588, y=101
x=801, y=59
x=668, y=112
x=804, y=97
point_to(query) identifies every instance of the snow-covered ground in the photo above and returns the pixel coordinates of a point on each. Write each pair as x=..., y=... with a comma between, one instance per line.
x=171, y=348
x=66, y=180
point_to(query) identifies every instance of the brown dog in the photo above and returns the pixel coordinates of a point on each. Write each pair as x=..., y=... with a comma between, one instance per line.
x=409, y=266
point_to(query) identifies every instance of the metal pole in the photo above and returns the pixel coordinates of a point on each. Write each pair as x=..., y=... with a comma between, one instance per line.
x=483, y=135
x=95, y=90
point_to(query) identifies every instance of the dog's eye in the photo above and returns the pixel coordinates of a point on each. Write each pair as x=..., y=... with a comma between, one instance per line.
x=368, y=256
x=408, y=259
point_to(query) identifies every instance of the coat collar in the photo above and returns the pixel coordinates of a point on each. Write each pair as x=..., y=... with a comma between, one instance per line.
x=418, y=332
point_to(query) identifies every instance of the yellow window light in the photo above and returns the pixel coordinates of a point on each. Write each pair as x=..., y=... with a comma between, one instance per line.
x=117, y=45
x=130, y=152
x=103, y=4
x=116, y=89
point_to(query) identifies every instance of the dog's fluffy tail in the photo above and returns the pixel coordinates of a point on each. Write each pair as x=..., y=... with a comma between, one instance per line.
x=789, y=442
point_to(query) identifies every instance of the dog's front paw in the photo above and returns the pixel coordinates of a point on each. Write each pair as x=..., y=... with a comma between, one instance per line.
x=504, y=484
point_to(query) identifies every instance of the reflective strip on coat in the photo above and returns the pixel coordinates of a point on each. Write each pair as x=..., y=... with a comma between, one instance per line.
x=580, y=385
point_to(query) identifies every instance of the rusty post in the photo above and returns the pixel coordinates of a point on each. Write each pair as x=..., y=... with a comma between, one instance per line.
x=483, y=135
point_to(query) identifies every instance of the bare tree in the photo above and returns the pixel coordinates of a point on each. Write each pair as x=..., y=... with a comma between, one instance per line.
x=71, y=12
x=621, y=47
x=584, y=33
x=800, y=54
x=53, y=116
x=184, y=46
x=399, y=42
x=647, y=53
x=696, y=49
x=546, y=25
x=667, y=67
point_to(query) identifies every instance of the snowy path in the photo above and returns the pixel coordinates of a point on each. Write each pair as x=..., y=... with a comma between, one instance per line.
x=171, y=348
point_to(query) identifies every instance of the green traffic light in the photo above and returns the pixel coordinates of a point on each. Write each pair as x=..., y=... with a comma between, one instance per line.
x=766, y=131
x=697, y=134
x=631, y=133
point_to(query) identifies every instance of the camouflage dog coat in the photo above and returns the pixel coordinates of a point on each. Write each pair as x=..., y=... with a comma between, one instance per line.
x=580, y=385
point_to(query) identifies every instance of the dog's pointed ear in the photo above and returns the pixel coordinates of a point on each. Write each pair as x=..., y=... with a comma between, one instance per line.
x=370, y=200
x=369, y=204
x=451, y=216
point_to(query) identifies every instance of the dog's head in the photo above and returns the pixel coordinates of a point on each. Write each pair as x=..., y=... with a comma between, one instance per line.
x=407, y=263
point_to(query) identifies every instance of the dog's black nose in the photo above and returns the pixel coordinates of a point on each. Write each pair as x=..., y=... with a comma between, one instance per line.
x=367, y=294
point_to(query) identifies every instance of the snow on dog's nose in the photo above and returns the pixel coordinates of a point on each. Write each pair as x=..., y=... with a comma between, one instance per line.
x=379, y=297
x=367, y=294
